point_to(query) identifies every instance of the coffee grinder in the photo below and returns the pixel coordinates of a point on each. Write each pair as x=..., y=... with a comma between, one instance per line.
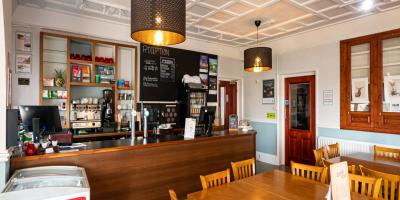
x=107, y=111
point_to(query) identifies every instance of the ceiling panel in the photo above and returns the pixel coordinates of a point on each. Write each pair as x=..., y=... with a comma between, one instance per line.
x=231, y=22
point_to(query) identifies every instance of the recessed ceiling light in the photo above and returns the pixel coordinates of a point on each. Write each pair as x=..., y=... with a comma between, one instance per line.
x=367, y=5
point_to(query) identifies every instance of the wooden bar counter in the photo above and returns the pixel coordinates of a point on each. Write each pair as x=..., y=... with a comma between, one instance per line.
x=146, y=169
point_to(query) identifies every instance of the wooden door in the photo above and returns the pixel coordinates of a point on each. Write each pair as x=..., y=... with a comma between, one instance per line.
x=230, y=100
x=300, y=119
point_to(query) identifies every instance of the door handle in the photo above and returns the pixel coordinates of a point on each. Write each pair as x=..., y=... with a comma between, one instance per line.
x=227, y=98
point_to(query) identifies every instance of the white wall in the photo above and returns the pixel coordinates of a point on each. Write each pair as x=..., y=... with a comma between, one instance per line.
x=253, y=107
x=33, y=20
x=5, y=47
x=317, y=51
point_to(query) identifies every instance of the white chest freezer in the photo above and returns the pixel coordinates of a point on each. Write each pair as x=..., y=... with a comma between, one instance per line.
x=48, y=183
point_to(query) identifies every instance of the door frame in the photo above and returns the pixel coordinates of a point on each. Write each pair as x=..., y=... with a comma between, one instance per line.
x=300, y=80
x=281, y=132
x=239, y=96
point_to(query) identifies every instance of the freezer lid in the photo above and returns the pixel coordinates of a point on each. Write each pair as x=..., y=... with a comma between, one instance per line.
x=53, y=193
x=46, y=182
x=49, y=171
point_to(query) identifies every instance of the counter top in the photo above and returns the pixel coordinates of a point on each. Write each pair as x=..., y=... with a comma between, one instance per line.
x=127, y=144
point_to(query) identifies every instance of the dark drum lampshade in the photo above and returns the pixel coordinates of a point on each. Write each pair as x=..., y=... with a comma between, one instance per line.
x=158, y=22
x=258, y=59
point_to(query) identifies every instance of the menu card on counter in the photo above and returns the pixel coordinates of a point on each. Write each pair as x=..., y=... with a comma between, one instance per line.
x=190, y=128
x=339, y=188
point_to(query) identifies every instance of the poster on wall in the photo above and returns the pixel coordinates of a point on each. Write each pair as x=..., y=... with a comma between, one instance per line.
x=203, y=64
x=213, y=66
x=268, y=91
x=204, y=79
x=23, y=63
x=359, y=91
x=212, y=85
x=23, y=41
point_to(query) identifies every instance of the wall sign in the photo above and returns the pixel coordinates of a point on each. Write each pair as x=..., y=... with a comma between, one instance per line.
x=162, y=69
x=23, y=81
x=268, y=91
x=271, y=115
x=328, y=97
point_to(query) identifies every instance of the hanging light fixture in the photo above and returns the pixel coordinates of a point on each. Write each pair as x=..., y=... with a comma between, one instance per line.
x=258, y=59
x=158, y=22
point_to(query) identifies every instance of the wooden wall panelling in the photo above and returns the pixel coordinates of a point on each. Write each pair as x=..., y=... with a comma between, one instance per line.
x=148, y=172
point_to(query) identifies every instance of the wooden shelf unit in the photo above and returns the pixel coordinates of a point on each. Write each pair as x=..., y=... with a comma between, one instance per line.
x=379, y=62
x=69, y=85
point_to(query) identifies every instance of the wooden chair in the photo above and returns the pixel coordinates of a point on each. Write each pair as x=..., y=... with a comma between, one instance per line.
x=368, y=186
x=215, y=179
x=320, y=154
x=390, y=183
x=333, y=150
x=310, y=172
x=172, y=195
x=384, y=152
x=244, y=169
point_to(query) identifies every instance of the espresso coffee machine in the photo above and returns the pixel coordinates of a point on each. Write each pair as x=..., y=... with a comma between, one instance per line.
x=107, y=111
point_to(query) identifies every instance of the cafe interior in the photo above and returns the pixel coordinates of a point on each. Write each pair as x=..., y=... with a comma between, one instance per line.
x=199, y=99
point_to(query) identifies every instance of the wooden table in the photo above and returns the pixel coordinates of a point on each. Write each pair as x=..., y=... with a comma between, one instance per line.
x=277, y=185
x=368, y=160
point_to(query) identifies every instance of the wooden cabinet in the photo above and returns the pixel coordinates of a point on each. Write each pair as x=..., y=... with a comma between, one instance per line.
x=370, y=83
x=85, y=67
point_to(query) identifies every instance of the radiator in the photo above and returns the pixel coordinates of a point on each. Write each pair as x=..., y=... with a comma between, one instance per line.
x=349, y=146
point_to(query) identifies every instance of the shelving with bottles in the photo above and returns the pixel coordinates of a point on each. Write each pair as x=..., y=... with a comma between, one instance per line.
x=81, y=61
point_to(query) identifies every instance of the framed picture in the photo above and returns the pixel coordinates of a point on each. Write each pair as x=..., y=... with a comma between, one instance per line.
x=392, y=89
x=268, y=91
x=204, y=79
x=213, y=66
x=23, y=63
x=360, y=90
x=23, y=41
x=203, y=64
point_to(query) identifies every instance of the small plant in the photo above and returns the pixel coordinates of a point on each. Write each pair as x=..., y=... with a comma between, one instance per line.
x=59, y=78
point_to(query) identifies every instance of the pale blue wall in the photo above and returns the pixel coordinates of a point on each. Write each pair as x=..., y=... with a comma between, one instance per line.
x=266, y=137
x=361, y=136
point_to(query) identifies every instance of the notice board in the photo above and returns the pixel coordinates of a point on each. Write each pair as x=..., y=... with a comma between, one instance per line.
x=162, y=69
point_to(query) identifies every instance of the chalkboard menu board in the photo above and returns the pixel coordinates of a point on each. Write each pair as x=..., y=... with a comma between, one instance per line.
x=162, y=69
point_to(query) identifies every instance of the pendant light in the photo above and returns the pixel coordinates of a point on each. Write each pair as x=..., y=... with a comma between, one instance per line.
x=258, y=59
x=158, y=22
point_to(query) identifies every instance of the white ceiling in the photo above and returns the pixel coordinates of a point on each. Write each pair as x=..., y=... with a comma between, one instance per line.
x=231, y=22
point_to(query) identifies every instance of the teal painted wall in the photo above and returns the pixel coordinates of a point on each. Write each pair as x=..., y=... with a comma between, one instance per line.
x=361, y=136
x=266, y=137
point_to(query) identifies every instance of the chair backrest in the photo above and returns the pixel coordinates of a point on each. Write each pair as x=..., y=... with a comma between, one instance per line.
x=333, y=150
x=384, y=152
x=320, y=154
x=215, y=179
x=352, y=168
x=390, y=183
x=367, y=186
x=172, y=195
x=244, y=169
x=310, y=172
